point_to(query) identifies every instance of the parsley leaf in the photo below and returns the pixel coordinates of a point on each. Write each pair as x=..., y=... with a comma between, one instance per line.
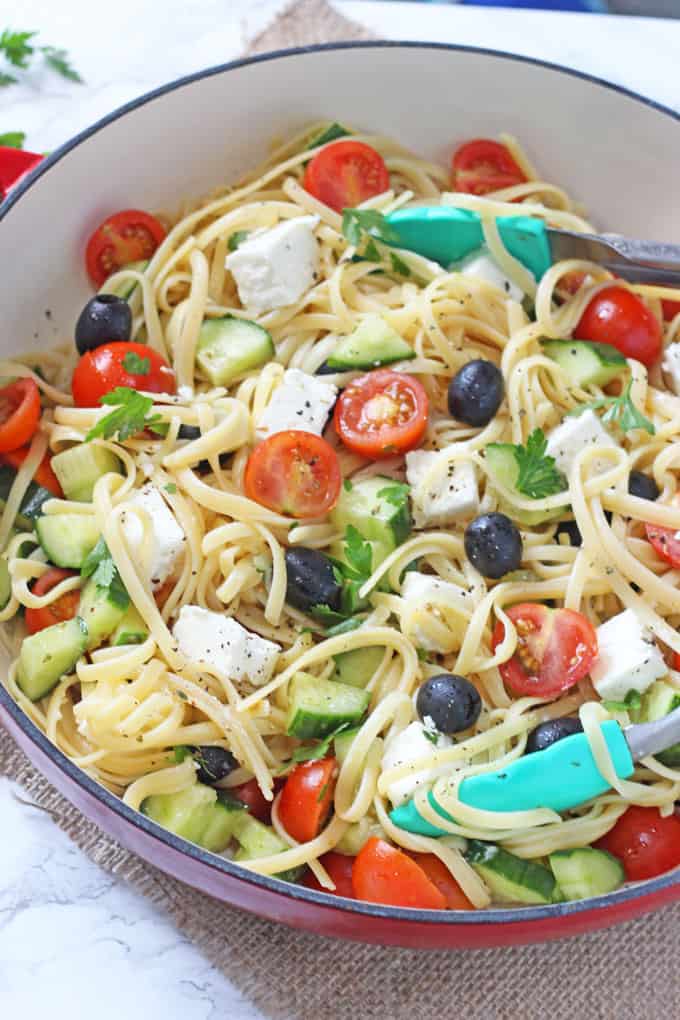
x=430, y=735
x=13, y=139
x=358, y=551
x=631, y=703
x=319, y=748
x=537, y=476
x=237, y=238
x=171, y=488
x=136, y=365
x=181, y=753
x=100, y=567
x=396, y=494
x=357, y=223
x=58, y=60
x=7, y=79
x=620, y=411
x=347, y=485
x=18, y=50
x=16, y=47
x=130, y=417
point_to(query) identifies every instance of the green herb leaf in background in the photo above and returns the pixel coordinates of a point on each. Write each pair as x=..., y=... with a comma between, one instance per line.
x=13, y=139
x=18, y=50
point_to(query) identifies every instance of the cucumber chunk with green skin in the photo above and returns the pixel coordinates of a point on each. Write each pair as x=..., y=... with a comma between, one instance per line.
x=67, y=539
x=586, y=872
x=511, y=879
x=329, y=134
x=317, y=707
x=357, y=666
x=81, y=466
x=259, y=840
x=131, y=630
x=5, y=583
x=586, y=362
x=230, y=347
x=504, y=469
x=30, y=507
x=198, y=814
x=383, y=521
x=356, y=835
x=658, y=701
x=343, y=742
x=126, y=288
x=99, y=612
x=49, y=655
x=373, y=343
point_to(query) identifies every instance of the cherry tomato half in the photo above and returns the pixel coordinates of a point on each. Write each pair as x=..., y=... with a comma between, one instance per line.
x=670, y=309
x=306, y=799
x=63, y=608
x=339, y=867
x=103, y=369
x=294, y=473
x=346, y=173
x=644, y=842
x=482, y=165
x=125, y=237
x=19, y=414
x=253, y=798
x=384, y=874
x=382, y=413
x=441, y=877
x=44, y=475
x=618, y=317
x=555, y=649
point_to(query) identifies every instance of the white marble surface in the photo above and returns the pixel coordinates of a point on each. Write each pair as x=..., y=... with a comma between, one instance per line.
x=71, y=935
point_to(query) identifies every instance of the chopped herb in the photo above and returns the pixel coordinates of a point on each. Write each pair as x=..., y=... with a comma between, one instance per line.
x=422, y=654
x=347, y=485
x=322, y=793
x=18, y=50
x=358, y=551
x=181, y=752
x=538, y=477
x=182, y=695
x=620, y=411
x=631, y=703
x=430, y=735
x=237, y=238
x=100, y=567
x=13, y=139
x=397, y=494
x=136, y=365
x=357, y=224
x=171, y=488
x=319, y=749
x=58, y=60
x=130, y=417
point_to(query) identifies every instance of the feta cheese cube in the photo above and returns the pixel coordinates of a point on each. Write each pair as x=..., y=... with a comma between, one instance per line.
x=575, y=433
x=221, y=643
x=302, y=401
x=441, y=491
x=481, y=265
x=627, y=659
x=423, y=593
x=409, y=746
x=274, y=268
x=670, y=366
x=166, y=537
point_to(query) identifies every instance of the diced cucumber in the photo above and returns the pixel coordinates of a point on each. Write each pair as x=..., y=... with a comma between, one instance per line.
x=511, y=879
x=329, y=134
x=229, y=347
x=658, y=701
x=67, y=538
x=131, y=630
x=198, y=814
x=126, y=288
x=48, y=655
x=31, y=505
x=367, y=506
x=357, y=666
x=586, y=872
x=101, y=615
x=355, y=835
x=586, y=362
x=504, y=469
x=79, y=467
x=5, y=582
x=371, y=344
x=259, y=840
x=343, y=742
x=317, y=707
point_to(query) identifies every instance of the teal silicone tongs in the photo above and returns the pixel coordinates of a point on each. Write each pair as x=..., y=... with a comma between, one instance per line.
x=561, y=777
x=447, y=235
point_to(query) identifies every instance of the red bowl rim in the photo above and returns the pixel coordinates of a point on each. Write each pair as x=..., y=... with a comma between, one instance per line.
x=491, y=916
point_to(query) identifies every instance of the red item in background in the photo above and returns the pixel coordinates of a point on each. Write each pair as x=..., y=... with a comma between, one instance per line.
x=14, y=165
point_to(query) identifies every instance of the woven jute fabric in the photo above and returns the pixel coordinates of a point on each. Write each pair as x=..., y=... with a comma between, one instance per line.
x=626, y=973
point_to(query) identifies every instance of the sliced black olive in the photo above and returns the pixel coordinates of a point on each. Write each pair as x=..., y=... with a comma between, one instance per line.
x=104, y=318
x=451, y=702
x=310, y=580
x=643, y=486
x=189, y=432
x=548, y=733
x=571, y=530
x=476, y=392
x=493, y=545
x=325, y=369
x=214, y=763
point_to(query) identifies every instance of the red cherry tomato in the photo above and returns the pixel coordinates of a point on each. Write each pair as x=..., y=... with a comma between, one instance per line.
x=306, y=799
x=381, y=414
x=670, y=309
x=252, y=796
x=618, y=317
x=644, y=842
x=19, y=414
x=44, y=475
x=103, y=369
x=441, y=877
x=339, y=867
x=482, y=165
x=555, y=649
x=294, y=473
x=63, y=608
x=125, y=237
x=344, y=174
x=572, y=282
x=665, y=542
x=676, y=660
x=384, y=874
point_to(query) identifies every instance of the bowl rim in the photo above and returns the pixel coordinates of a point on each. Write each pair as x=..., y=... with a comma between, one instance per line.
x=473, y=918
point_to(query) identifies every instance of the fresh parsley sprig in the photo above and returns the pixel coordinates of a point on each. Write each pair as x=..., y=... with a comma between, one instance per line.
x=135, y=365
x=620, y=411
x=100, y=567
x=130, y=416
x=369, y=231
x=538, y=477
x=18, y=50
x=319, y=749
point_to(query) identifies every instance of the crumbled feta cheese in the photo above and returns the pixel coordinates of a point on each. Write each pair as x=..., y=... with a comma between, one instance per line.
x=441, y=492
x=627, y=658
x=301, y=402
x=424, y=593
x=481, y=265
x=411, y=745
x=575, y=433
x=221, y=643
x=167, y=538
x=670, y=366
x=274, y=268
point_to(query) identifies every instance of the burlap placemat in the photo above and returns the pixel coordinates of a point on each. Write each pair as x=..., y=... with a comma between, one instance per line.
x=624, y=973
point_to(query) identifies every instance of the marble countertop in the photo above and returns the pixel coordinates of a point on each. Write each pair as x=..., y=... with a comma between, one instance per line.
x=55, y=905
